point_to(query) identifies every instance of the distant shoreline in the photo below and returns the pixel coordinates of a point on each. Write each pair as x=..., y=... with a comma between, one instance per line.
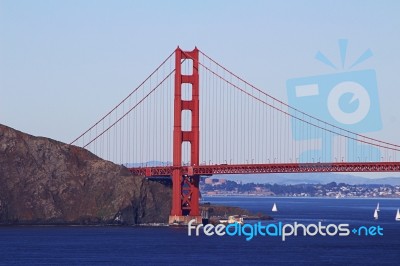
x=289, y=197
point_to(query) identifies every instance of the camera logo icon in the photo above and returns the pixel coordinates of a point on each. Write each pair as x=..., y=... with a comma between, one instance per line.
x=347, y=99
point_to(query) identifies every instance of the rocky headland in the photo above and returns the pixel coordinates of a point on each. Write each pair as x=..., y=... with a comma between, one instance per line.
x=43, y=181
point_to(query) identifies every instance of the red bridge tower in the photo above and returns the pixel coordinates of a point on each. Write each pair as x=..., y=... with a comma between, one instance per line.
x=185, y=187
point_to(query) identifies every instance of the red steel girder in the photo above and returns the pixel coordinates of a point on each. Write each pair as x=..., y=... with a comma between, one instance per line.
x=269, y=168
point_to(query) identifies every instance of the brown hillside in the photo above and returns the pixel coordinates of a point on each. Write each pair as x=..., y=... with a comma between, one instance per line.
x=43, y=181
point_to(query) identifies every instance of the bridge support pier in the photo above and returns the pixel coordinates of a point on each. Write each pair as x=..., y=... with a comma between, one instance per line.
x=185, y=188
x=184, y=220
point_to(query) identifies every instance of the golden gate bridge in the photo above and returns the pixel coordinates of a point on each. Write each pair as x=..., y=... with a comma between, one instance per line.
x=192, y=116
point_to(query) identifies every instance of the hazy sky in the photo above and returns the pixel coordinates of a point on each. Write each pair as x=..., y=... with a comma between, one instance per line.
x=56, y=55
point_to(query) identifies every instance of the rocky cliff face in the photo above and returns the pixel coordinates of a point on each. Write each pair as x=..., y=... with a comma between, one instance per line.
x=43, y=181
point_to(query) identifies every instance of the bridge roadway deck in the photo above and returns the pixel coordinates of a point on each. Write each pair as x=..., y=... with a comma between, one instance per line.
x=268, y=168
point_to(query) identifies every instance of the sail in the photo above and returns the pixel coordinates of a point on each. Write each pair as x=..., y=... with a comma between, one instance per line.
x=398, y=215
x=376, y=214
x=377, y=207
x=274, y=208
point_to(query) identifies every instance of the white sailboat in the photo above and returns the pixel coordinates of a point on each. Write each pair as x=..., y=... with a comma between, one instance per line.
x=398, y=215
x=377, y=207
x=274, y=208
x=376, y=214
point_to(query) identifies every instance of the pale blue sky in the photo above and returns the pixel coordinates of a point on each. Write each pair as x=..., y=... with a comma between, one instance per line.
x=55, y=55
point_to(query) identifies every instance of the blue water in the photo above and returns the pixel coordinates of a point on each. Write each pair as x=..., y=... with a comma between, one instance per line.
x=48, y=245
